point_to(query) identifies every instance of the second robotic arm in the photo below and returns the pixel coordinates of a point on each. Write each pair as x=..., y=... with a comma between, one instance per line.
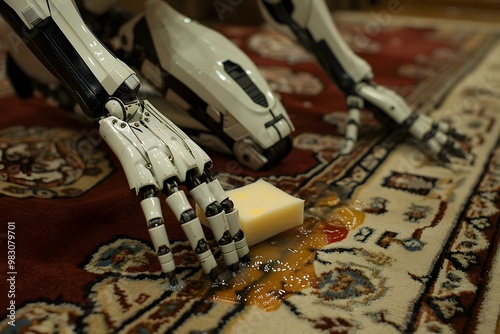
x=310, y=23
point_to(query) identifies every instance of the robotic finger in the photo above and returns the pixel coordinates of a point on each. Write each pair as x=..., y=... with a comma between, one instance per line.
x=151, y=207
x=191, y=226
x=439, y=139
x=231, y=214
x=216, y=218
x=355, y=104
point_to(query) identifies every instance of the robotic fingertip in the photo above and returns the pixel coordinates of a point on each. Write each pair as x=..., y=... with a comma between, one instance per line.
x=348, y=147
x=172, y=278
x=458, y=153
x=443, y=157
x=457, y=134
x=234, y=267
x=214, y=276
x=246, y=258
x=453, y=149
x=446, y=155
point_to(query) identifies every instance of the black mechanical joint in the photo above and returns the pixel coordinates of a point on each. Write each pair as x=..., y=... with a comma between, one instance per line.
x=155, y=223
x=202, y=247
x=187, y=216
x=213, y=209
x=163, y=250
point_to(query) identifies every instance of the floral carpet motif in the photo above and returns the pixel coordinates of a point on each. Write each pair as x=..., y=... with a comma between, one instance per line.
x=49, y=162
x=424, y=259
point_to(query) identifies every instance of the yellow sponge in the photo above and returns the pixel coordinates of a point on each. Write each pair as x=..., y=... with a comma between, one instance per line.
x=264, y=210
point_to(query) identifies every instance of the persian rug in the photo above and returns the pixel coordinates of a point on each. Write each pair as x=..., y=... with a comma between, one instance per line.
x=392, y=241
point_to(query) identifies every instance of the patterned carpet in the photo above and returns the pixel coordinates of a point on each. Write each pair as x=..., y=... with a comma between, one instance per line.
x=392, y=241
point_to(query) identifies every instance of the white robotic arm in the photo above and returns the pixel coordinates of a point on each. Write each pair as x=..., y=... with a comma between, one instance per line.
x=310, y=23
x=155, y=154
x=56, y=34
x=98, y=7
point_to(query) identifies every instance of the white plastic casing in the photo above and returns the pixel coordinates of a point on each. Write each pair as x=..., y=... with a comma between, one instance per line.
x=195, y=54
x=315, y=17
x=110, y=71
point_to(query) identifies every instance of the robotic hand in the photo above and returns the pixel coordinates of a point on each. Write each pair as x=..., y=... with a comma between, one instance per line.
x=310, y=23
x=155, y=154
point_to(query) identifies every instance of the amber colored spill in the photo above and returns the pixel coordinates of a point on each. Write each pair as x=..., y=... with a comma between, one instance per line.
x=283, y=265
x=347, y=217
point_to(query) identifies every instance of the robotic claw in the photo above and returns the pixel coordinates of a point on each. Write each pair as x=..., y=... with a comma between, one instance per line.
x=212, y=82
x=310, y=23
